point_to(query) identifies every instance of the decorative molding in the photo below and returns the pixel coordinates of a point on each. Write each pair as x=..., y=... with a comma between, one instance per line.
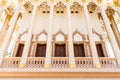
x=42, y=32
x=20, y=35
x=100, y=35
x=76, y=5
x=84, y=37
x=60, y=5
x=60, y=32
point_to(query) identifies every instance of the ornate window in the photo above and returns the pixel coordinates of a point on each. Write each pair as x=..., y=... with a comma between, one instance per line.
x=100, y=44
x=59, y=44
x=79, y=44
x=40, y=44
x=19, y=45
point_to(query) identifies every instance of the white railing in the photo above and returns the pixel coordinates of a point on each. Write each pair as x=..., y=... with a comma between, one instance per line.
x=12, y=62
x=35, y=62
x=60, y=62
x=84, y=62
x=108, y=62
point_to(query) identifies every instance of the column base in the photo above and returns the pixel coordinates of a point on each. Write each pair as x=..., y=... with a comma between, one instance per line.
x=47, y=65
x=98, y=65
x=72, y=65
x=21, y=65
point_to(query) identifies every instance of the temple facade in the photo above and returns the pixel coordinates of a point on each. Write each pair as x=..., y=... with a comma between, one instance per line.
x=60, y=39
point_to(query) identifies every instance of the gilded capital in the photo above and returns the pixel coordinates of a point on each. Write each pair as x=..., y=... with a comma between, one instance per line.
x=20, y=1
x=10, y=10
x=116, y=2
x=110, y=11
x=91, y=7
x=99, y=1
x=28, y=7
x=83, y=0
x=3, y=3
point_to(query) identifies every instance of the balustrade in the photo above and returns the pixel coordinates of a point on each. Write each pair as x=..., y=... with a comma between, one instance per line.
x=84, y=62
x=12, y=62
x=108, y=62
x=35, y=62
x=60, y=62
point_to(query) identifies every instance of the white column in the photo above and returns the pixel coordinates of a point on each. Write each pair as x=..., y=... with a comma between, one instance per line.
x=70, y=40
x=91, y=38
x=49, y=39
x=4, y=29
x=1, y=11
x=29, y=37
x=110, y=33
x=9, y=32
x=115, y=30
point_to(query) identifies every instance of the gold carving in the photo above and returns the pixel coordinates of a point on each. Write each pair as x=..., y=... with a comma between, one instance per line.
x=28, y=6
x=47, y=66
x=3, y=2
x=72, y=65
x=20, y=1
x=99, y=0
x=91, y=7
x=116, y=2
x=21, y=65
x=110, y=11
x=10, y=10
x=83, y=0
x=98, y=65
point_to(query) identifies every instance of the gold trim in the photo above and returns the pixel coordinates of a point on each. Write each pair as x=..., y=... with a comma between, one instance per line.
x=98, y=65
x=21, y=65
x=72, y=65
x=47, y=65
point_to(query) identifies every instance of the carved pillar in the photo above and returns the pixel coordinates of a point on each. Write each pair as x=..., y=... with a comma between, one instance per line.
x=70, y=40
x=115, y=30
x=4, y=29
x=9, y=32
x=91, y=38
x=110, y=33
x=29, y=37
x=1, y=11
x=49, y=40
x=110, y=12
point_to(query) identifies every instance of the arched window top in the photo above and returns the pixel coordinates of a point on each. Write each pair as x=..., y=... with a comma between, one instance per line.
x=97, y=36
x=22, y=36
x=77, y=36
x=59, y=36
x=42, y=36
